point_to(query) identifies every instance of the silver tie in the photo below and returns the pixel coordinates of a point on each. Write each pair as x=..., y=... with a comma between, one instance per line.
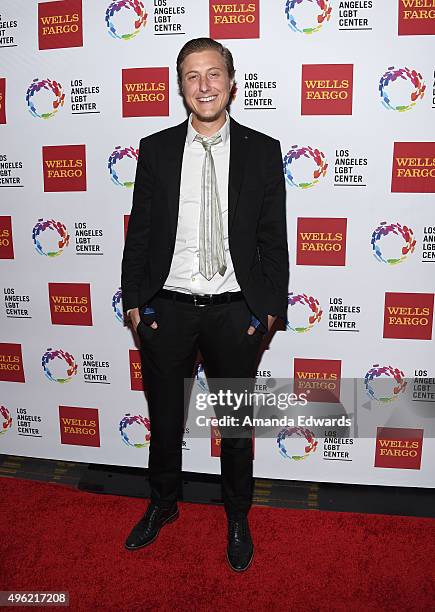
x=211, y=235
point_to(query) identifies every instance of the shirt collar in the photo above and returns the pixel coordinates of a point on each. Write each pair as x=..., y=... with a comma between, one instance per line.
x=224, y=131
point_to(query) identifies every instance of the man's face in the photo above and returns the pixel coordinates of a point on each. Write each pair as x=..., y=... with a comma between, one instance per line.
x=206, y=85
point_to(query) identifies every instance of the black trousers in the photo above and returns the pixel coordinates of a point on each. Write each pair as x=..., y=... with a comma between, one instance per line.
x=168, y=358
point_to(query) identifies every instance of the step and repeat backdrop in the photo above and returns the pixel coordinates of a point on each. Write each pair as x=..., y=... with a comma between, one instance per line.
x=348, y=87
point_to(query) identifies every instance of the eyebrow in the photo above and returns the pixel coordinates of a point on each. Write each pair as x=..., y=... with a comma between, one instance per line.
x=213, y=68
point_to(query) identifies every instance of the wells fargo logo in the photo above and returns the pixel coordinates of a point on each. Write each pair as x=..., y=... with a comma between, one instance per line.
x=11, y=363
x=79, y=426
x=2, y=101
x=326, y=89
x=136, y=380
x=216, y=441
x=398, y=447
x=234, y=20
x=145, y=92
x=70, y=303
x=318, y=378
x=413, y=168
x=64, y=168
x=60, y=24
x=416, y=17
x=408, y=315
x=321, y=242
x=6, y=243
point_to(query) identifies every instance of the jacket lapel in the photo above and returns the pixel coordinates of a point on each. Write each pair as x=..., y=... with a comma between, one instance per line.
x=238, y=154
x=173, y=160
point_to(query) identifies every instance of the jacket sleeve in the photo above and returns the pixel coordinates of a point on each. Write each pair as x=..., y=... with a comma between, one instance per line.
x=272, y=235
x=136, y=240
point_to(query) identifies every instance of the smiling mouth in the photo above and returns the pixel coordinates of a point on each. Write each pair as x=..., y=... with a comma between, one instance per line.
x=207, y=99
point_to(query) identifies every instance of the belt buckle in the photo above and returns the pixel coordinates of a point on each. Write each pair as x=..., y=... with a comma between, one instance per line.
x=195, y=297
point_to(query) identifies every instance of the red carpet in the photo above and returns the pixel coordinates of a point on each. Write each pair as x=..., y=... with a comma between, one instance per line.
x=57, y=538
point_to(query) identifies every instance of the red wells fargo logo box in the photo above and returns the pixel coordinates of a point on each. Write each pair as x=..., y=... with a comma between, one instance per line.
x=79, y=426
x=11, y=363
x=2, y=101
x=6, y=242
x=64, y=168
x=70, y=303
x=416, y=17
x=136, y=380
x=60, y=24
x=413, y=169
x=234, y=19
x=145, y=92
x=398, y=447
x=327, y=89
x=319, y=379
x=321, y=242
x=408, y=315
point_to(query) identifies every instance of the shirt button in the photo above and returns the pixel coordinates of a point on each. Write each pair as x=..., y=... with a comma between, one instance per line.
x=194, y=278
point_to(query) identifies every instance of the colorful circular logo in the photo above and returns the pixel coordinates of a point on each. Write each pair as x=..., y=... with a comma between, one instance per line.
x=116, y=157
x=59, y=359
x=42, y=239
x=116, y=305
x=318, y=12
x=297, y=432
x=384, y=392
x=309, y=303
x=54, y=89
x=136, y=437
x=139, y=19
x=293, y=160
x=394, y=229
x=6, y=420
x=413, y=89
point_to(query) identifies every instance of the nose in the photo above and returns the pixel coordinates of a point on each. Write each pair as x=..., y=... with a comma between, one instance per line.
x=203, y=83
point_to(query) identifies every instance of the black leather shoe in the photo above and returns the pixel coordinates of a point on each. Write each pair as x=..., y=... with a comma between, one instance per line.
x=147, y=529
x=240, y=551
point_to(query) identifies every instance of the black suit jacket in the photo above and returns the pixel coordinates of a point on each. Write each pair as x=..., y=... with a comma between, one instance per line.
x=256, y=219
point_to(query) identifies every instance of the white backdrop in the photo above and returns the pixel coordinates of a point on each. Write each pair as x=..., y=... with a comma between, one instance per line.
x=321, y=92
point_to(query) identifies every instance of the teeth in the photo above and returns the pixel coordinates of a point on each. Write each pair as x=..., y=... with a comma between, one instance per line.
x=207, y=99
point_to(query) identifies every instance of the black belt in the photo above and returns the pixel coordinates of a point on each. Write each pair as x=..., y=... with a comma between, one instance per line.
x=201, y=299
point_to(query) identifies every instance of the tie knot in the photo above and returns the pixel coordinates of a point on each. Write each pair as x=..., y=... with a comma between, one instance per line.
x=207, y=143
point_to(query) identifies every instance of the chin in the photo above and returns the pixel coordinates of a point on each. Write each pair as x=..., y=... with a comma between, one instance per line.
x=209, y=118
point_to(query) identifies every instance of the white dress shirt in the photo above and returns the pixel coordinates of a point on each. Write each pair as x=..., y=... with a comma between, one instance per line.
x=184, y=273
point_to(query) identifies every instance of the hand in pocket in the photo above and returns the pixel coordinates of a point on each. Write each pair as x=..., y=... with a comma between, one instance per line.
x=255, y=325
x=148, y=317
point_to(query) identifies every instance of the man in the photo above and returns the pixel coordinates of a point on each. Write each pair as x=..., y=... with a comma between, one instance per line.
x=205, y=266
